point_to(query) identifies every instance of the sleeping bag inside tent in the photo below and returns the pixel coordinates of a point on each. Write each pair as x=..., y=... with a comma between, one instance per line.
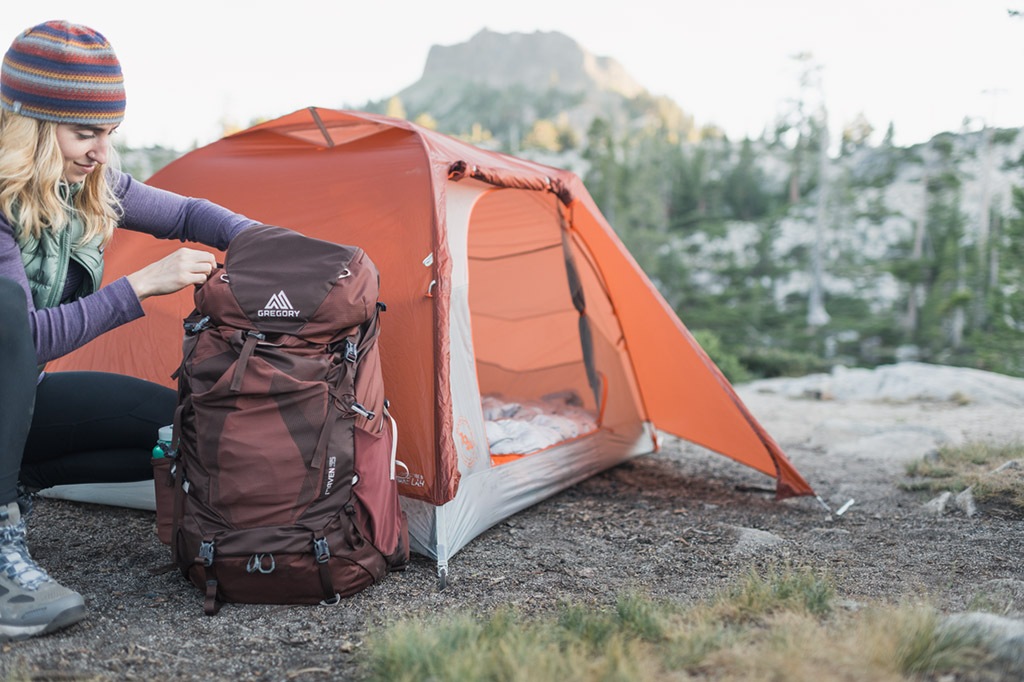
x=523, y=349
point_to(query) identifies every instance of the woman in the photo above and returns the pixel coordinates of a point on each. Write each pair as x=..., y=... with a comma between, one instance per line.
x=61, y=100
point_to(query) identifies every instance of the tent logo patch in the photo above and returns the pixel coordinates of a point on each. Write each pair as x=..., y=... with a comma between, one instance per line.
x=278, y=306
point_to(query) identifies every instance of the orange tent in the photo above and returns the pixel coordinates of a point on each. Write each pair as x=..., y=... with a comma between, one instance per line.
x=501, y=279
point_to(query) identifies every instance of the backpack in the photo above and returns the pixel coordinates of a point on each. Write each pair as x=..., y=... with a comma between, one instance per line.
x=283, y=474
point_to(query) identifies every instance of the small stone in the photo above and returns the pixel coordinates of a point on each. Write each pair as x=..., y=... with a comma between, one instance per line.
x=937, y=505
x=965, y=502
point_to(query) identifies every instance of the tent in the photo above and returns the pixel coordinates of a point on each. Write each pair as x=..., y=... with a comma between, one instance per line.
x=506, y=290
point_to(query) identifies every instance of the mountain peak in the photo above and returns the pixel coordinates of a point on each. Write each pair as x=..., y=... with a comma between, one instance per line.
x=538, y=60
x=519, y=91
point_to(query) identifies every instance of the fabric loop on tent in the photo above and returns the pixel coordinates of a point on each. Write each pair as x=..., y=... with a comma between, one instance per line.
x=460, y=170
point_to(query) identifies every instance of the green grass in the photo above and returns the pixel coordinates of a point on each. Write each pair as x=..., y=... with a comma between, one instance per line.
x=779, y=625
x=783, y=589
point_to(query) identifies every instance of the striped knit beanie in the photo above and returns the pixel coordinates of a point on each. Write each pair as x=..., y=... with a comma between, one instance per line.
x=63, y=72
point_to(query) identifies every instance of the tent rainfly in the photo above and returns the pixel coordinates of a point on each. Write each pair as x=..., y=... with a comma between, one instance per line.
x=523, y=348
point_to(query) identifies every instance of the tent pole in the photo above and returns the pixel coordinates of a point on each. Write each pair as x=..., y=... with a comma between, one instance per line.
x=441, y=534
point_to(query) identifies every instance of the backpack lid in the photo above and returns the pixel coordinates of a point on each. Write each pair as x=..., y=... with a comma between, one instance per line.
x=280, y=278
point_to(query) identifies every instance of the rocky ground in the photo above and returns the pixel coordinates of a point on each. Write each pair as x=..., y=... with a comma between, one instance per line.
x=679, y=525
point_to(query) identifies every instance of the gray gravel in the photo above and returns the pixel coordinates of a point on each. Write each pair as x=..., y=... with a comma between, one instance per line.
x=680, y=525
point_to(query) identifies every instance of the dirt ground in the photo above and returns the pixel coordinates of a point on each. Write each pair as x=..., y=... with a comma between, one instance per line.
x=679, y=525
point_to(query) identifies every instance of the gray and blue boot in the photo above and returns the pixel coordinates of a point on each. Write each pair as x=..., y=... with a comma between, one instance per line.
x=31, y=602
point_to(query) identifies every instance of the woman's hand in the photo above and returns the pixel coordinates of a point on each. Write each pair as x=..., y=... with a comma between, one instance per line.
x=172, y=273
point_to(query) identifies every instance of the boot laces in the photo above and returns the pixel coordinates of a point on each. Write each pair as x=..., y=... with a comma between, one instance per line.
x=15, y=561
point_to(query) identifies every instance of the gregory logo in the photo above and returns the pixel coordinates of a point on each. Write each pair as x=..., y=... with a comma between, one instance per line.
x=278, y=306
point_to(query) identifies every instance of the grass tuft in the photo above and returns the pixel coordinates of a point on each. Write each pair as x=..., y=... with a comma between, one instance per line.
x=974, y=466
x=779, y=625
x=779, y=589
x=640, y=617
x=1002, y=493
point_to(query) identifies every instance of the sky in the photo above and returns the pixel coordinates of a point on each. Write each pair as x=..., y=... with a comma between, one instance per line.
x=926, y=66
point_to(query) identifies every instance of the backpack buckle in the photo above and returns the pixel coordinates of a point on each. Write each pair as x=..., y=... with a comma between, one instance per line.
x=193, y=328
x=206, y=552
x=321, y=550
x=351, y=351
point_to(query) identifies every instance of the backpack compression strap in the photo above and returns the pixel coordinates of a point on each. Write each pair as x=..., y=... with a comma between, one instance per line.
x=368, y=331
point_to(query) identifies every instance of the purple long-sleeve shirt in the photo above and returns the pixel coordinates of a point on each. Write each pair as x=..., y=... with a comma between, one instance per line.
x=60, y=330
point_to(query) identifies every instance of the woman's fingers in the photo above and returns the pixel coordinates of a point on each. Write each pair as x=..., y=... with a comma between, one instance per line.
x=173, y=272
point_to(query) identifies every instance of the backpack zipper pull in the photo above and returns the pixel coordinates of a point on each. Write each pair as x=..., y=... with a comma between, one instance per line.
x=359, y=409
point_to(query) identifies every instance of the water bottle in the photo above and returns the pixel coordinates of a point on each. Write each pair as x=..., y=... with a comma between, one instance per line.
x=163, y=441
x=163, y=480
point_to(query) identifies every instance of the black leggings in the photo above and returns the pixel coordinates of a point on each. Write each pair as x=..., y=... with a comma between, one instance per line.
x=17, y=384
x=87, y=427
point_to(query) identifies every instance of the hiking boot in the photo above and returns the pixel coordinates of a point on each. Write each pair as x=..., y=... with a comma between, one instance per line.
x=26, y=500
x=31, y=602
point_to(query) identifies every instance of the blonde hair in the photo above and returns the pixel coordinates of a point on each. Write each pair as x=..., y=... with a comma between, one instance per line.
x=31, y=176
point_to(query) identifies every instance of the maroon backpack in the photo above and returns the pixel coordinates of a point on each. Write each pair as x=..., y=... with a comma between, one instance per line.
x=284, y=474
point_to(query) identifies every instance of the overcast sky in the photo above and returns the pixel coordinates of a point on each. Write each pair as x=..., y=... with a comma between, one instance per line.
x=191, y=66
